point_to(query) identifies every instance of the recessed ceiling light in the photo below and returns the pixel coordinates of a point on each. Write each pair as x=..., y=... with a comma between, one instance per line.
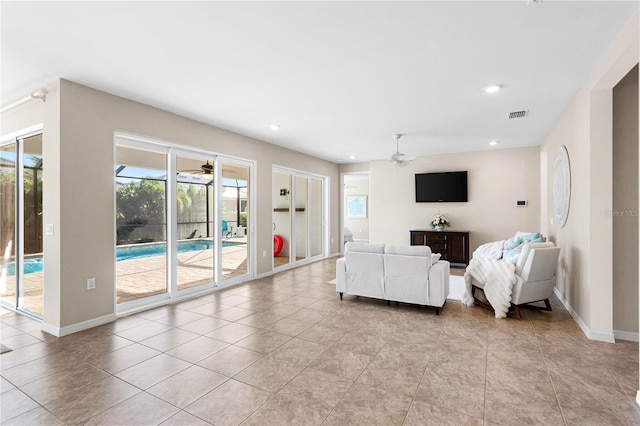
x=493, y=89
x=353, y=157
x=494, y=143
x=274, y=126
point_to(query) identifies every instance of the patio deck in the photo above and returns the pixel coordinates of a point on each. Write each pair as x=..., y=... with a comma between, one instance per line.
x=138, y=278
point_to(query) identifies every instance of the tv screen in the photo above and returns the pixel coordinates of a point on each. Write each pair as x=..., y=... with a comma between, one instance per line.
x=446, y=187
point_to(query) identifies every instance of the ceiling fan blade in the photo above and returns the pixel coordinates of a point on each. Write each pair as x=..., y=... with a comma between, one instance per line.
x=398, y=156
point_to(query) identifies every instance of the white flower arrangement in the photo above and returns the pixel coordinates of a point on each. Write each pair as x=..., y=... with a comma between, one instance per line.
x=439, y=221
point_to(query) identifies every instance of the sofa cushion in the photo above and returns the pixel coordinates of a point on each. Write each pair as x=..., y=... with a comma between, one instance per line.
x=364, y=247
x=408, y=250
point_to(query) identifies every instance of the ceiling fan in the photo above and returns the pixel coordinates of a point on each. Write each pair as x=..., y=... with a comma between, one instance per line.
x=398, y=158
x=206, y=170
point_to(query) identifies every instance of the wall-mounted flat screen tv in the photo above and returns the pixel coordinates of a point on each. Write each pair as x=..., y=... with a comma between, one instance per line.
x=446, y=187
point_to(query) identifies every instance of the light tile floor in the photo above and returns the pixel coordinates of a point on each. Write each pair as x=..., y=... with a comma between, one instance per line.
x=285, y=350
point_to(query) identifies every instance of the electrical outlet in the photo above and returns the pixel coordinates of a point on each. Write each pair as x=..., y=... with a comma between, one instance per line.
x=264, y=253
x=91, y=283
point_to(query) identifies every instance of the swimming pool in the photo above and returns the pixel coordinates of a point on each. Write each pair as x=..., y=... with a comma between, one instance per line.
x=35, y=264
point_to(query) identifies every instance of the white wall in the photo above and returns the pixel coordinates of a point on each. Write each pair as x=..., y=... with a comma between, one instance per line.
x=496, y=180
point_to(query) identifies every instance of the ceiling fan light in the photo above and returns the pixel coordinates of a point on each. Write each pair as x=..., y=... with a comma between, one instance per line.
x=398, y=158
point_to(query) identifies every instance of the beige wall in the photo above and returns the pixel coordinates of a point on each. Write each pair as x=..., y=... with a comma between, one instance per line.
x=496, y=180
x=81, y=184
x=585, y=268
x=625, y=204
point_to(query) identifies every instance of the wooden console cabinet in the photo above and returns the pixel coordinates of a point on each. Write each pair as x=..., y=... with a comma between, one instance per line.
x=453, y=245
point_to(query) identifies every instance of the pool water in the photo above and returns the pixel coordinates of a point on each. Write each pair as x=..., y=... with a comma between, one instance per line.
x=35, y=264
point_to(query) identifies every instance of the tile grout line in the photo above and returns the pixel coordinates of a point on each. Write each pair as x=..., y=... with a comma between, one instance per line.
x=546, y=367
x=422, y=377
x=486, y=374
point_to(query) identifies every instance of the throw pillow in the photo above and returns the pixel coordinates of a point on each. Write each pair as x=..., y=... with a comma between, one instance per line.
x=435, y=257
x=528, y=236
x=513, y=255
x=512, y=243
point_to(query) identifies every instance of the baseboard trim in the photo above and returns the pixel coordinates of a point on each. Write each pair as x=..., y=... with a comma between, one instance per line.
x=626, y=335
x=74, y=328
x=601, y=337
x=314, y=260
x=95, y=322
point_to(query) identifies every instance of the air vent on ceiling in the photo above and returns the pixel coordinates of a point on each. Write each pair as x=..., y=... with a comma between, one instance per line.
x=518, y=114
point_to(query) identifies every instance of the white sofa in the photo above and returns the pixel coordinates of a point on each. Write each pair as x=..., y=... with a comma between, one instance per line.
x=393, y=273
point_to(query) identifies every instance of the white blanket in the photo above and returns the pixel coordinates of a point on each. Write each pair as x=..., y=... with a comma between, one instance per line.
x=498, y=277
x=491, y=250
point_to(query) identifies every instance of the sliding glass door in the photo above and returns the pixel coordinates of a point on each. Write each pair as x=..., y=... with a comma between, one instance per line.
x=301, y=214
x=282, y=184
x=316, y=218
x=21, y=227
x=236, y=217
x=298, y=216
x=8, y=179
x=183, y=221
x=195, y=211
x=141, y=222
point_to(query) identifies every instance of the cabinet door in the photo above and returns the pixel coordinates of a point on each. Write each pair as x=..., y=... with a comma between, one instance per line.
x=438, y=242
x=418, y=239
x=458, y=248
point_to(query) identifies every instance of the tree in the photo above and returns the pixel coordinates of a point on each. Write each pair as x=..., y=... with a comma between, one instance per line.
x=139, y=204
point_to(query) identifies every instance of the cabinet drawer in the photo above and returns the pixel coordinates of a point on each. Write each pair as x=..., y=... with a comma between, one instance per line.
x=437, y=237
x=453, y=245
x=437, y=246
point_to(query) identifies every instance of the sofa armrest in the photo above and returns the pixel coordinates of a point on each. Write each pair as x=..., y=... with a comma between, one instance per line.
x=439, y=282
x=341, y=275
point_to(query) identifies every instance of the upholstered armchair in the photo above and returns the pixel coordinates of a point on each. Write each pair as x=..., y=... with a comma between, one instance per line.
x=535, y=278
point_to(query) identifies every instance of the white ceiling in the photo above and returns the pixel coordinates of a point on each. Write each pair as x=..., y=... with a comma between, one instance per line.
x=339, y=77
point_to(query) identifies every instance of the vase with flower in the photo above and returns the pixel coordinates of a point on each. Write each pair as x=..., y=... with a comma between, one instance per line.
x=439, y=222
